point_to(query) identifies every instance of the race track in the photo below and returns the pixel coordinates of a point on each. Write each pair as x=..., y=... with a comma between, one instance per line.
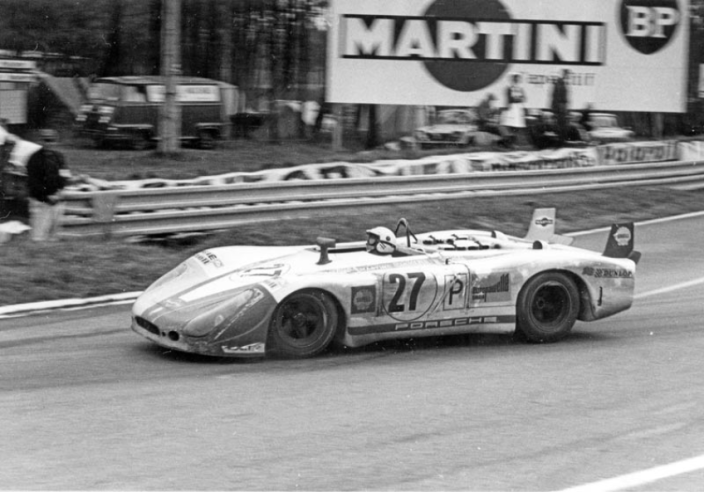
x=87, y=404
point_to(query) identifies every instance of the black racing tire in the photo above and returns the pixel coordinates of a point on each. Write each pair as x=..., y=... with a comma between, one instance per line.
x=303, y=324
x=547, y=308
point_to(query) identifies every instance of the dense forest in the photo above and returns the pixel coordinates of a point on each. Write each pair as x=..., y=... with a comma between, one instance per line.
x=260, y=45
x=271, y=49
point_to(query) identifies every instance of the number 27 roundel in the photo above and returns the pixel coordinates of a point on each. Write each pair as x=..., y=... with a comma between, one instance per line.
x=408, y=296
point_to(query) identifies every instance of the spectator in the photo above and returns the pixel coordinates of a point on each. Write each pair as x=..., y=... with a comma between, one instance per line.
x=585, y=118
x=488, y=115
x=560, y=106
x=513, y=119
x=47, y=175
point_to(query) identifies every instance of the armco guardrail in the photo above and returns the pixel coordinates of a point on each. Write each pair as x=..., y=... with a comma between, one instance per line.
x=198, y=208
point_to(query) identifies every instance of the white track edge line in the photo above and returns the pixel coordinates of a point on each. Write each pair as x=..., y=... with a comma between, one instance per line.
x=642, y=477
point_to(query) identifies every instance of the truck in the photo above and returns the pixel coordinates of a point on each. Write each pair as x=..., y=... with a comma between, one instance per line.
x=126, y=110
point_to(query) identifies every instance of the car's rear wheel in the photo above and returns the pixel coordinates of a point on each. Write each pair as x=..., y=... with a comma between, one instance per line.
x=547, y=308
x=303, y=324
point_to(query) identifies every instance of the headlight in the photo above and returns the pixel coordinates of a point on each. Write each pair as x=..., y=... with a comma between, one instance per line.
x=223, y=314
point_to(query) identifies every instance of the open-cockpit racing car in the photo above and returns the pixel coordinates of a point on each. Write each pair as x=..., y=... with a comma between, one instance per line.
x=295, y=301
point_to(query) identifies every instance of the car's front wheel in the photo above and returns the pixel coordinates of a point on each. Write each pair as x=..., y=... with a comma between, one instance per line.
x=547, y=308
x=303, y=324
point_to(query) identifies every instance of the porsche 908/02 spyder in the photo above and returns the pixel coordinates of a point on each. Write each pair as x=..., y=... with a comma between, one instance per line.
x=295, y=301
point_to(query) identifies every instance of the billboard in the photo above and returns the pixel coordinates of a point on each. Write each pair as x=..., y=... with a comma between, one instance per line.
x=623, y=55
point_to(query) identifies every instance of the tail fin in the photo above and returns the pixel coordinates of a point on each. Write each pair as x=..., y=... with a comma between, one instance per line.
x=620, y=242
x=542, y=227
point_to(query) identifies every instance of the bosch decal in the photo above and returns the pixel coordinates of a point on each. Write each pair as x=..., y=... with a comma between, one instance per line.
x=493, y=288
x=467, y=45
x=363, y=300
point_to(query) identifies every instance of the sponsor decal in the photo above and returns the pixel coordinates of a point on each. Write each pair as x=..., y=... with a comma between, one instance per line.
x=209, y=258
x=430, y=325
x=273, y=284
x=408, y=296
x=607, y=272
x=629, y=153
x=275, y=270
x=623, y=236
x=493, y=288
x=467, y=45
x=649, y=25
x=544, y=222
x=252, y=348
x=456, y=292
x=363, y=299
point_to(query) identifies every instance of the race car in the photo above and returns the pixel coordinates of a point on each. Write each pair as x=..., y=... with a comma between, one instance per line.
x=605, y=129
x=294, y=301
x=455, y=127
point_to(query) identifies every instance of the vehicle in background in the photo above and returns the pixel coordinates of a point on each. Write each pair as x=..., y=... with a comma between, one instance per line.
x=454, y=127
x=126, y=110
x=604, y=127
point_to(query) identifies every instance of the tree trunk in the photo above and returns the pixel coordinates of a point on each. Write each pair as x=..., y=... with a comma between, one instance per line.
x=170, y=120
x=112, y=65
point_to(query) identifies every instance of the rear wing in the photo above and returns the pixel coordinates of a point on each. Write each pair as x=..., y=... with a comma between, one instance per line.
x=542, y=228
x=621, y=241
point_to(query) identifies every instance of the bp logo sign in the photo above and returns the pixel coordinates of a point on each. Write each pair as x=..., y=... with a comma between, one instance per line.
x=649, y=25
x=467, y=45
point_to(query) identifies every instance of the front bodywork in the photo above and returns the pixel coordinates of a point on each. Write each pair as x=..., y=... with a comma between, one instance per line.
x=221, y=301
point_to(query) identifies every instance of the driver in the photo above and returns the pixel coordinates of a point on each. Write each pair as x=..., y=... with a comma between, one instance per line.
x=381, y=241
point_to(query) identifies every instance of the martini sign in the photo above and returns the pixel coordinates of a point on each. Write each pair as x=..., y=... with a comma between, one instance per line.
x=621, y=54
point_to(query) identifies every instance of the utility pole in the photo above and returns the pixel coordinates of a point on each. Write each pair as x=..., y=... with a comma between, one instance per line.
x=170, y=118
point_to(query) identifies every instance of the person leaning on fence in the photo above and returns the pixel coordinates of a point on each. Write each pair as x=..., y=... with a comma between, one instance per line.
x=47, y=175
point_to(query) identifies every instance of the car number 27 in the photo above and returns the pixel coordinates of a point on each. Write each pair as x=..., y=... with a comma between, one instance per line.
x=408, y=296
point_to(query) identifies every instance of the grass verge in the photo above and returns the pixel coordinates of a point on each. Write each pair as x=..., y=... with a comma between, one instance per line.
x=76, y=268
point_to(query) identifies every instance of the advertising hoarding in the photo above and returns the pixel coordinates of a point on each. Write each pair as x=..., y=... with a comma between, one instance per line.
x=623, y=55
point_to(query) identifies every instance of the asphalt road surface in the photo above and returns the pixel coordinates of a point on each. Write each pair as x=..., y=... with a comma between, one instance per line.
x=87, y=404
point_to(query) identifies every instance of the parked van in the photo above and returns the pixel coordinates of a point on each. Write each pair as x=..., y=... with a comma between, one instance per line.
x=126, y=110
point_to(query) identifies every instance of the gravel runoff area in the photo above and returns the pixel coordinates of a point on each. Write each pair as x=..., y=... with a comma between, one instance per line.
x=82, y=268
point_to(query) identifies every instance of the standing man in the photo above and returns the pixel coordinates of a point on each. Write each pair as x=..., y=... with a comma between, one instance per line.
x=47, y=175
x=560, y=105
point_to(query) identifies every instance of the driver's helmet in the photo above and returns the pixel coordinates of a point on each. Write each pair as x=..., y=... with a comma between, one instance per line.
x=381, y=241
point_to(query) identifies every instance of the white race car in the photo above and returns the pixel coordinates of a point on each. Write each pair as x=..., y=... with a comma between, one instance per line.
x=294, y=301
x=455, y=127
x=605, y=128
